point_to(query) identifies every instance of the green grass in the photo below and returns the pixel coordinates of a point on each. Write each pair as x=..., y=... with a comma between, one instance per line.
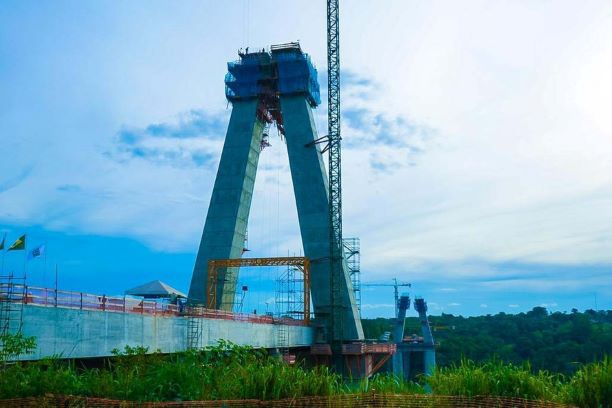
x=496, y=378
x=232, y=372
x=389, y=384
x=591, y=386
x=222, y=372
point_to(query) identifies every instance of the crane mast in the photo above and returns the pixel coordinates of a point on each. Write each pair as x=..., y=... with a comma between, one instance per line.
x=335, y=174
x=395, y=286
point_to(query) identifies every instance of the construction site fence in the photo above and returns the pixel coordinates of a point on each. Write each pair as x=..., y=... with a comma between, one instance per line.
x=47, y=297
x=347, y=400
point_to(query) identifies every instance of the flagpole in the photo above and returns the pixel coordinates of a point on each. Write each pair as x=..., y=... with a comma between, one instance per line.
x=45, y=265
x=3, y=253
x=55, y=284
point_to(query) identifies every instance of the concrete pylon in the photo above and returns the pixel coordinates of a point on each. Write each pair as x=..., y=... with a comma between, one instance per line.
x=230, y=204
x=398, y=334
x=310, y=186
x=280, y=87
x=429, y=351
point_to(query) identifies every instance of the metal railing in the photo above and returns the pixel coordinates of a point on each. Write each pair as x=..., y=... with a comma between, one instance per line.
x=47, y=297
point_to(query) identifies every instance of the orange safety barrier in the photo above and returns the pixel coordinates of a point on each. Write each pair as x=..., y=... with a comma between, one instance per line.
x=339, y=401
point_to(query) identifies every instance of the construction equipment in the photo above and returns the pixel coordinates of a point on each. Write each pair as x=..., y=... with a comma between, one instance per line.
x=300, y=263
x=396, y=285
x=334, y=171
x=194, y=328
x=12, y=297
x=352, y=255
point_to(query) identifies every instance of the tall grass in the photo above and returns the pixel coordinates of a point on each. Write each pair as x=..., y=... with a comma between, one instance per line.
x=231, y=372
x=388, y=384
x=496, y=378
x=223, y=372
x=591, y=386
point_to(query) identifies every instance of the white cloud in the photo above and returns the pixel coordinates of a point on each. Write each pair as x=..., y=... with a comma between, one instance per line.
x=471, y=143
x=484, y=305
x=517, y=170
x=370, y=306
x=434, y=306
x=514, y=306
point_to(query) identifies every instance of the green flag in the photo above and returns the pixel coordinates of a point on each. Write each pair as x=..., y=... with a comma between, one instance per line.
x=18, y=245
x=2, y=243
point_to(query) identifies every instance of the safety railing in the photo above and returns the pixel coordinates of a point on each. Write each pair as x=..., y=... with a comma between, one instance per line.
x=86, y=301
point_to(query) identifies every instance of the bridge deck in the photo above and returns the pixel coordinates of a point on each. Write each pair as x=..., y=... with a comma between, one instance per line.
x=75, y=325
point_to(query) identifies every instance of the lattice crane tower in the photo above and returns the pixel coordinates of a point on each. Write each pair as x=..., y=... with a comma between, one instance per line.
x=263, y=87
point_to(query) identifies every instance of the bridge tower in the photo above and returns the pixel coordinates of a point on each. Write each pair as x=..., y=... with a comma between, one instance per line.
x=278, y=87
x=429, y=351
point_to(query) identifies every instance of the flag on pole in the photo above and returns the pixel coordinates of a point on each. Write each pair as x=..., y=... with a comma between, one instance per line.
x=18, y=245
x=37, y=252
x=2, y=243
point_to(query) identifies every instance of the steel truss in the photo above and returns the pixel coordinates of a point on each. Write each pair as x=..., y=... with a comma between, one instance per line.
x=214, y=265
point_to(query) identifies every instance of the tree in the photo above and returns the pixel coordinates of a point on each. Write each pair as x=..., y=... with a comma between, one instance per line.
x=15, y=345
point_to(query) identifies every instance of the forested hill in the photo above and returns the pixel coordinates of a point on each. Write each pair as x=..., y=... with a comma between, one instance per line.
x=556, y=342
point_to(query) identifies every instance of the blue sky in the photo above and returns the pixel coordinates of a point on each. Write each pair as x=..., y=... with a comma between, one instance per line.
x=476, y=161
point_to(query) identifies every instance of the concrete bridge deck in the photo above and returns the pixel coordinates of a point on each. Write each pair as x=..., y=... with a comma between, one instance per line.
x=92, y=326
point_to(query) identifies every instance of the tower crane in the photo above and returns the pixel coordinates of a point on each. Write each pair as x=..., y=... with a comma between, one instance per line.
x=396, y=285
x=335, y=175
x=401, y=305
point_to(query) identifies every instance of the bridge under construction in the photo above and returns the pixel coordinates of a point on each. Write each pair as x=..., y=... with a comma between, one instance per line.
x=276, y=87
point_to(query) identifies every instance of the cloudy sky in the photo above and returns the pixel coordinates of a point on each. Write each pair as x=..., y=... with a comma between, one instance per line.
x=477, y=143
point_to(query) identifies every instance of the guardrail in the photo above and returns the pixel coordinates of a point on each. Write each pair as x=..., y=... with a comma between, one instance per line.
x=86, y=301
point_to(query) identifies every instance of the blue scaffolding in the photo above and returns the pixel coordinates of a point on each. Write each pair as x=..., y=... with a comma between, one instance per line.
x=297, y=74
x=285, y=70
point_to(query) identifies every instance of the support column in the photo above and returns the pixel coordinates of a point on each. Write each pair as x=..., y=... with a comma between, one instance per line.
x=228, y=212
x=398, y=334
x=429, y=352
x=310, y=186
x=429, y=361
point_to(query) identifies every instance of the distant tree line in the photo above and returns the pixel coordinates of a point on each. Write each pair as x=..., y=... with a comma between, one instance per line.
x=557, y=342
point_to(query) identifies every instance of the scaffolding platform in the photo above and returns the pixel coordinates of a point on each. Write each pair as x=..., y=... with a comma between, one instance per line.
x=284, y=70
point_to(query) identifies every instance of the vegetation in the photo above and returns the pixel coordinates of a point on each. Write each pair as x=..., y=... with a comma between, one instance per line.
x=591, y=386
x=14, y=345
x=556, y=342
x=496, y=378
x=388, y=384
x=222, y=372
x=232, y=372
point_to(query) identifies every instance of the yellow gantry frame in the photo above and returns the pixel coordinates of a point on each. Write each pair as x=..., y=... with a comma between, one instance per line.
x=302, y=263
